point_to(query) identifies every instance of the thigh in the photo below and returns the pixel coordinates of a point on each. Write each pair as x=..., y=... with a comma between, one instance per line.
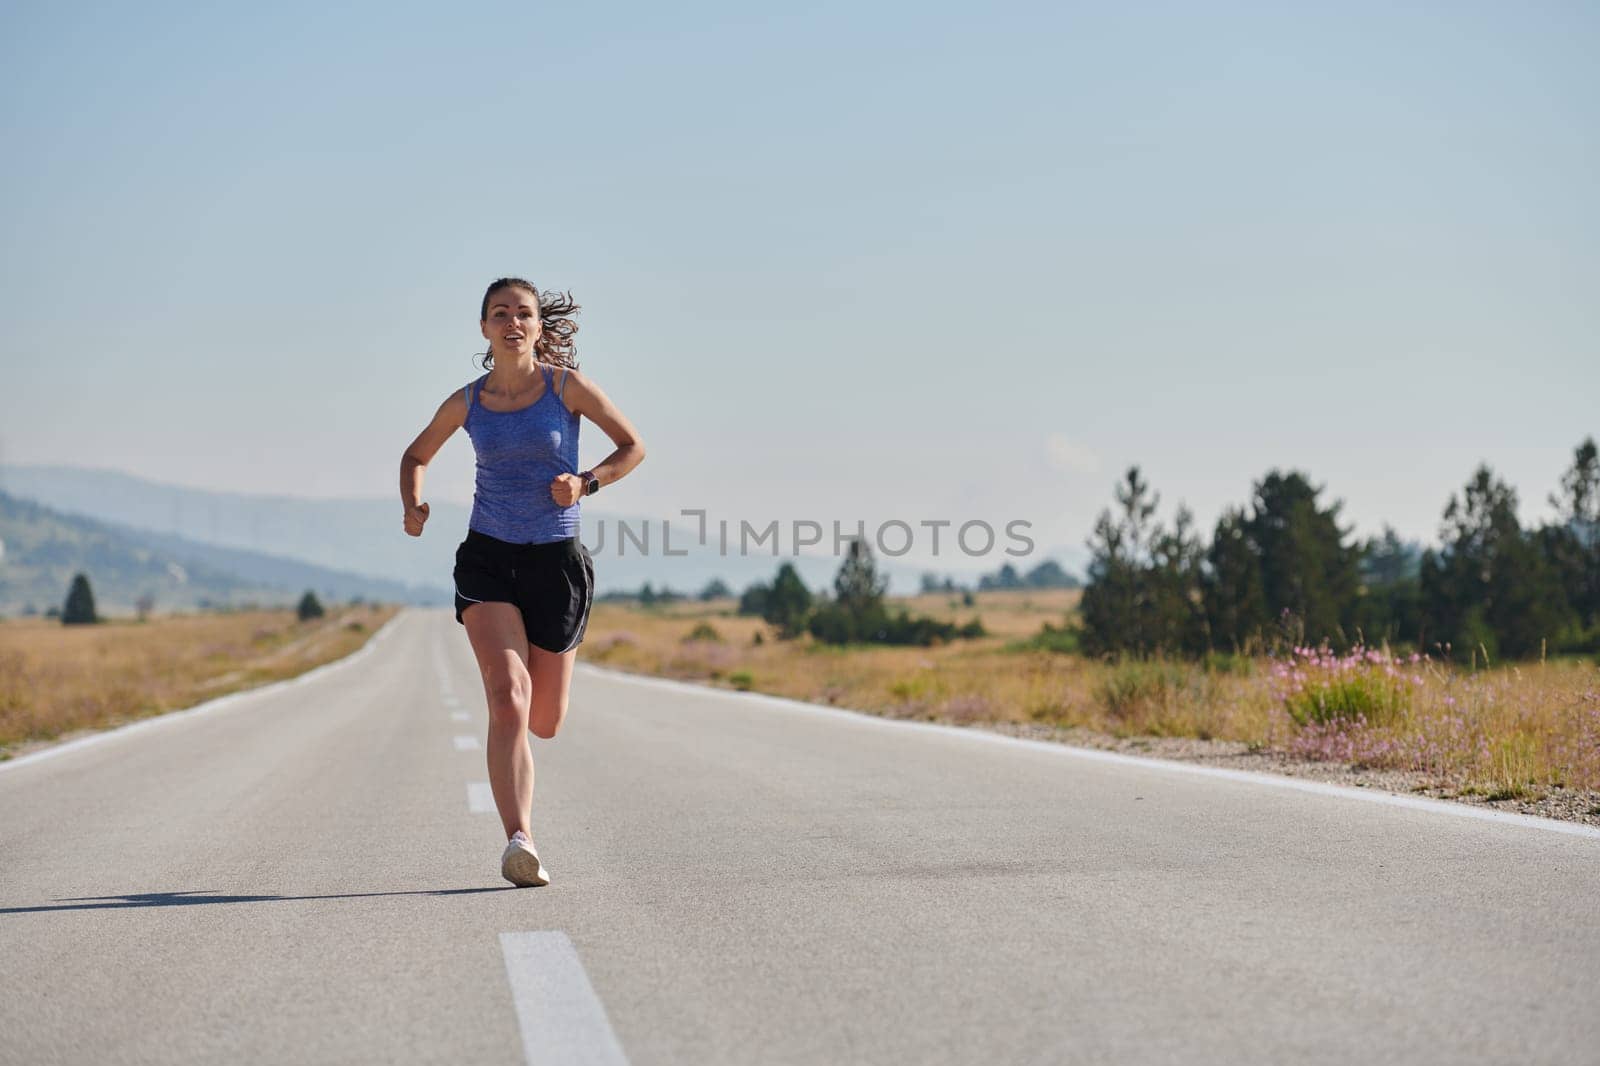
x=500, y=644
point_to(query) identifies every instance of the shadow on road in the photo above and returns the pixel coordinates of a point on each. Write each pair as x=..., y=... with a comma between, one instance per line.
x=195, y=898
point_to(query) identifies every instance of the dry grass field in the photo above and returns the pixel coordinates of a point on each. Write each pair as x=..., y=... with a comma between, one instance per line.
x=56, y=680
x=1504, y=732
x=1509, y=732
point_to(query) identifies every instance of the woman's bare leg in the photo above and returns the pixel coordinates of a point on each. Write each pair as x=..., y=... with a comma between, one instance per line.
x=552, y=678
x=500, y=644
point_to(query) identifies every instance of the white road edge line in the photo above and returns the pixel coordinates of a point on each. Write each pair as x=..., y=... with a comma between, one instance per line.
x=466, y=743
x=561, y=1018
x=480, y=798
x=221, y=703
x=866, y=720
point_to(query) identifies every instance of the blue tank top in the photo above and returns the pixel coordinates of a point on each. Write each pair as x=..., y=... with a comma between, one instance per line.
x=519, y=454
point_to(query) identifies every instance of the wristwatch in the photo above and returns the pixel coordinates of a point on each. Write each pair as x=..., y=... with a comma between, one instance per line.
x=591, y=484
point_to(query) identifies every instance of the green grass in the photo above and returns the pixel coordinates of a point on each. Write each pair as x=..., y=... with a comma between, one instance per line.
x=1378, y=700
x=1060, y=639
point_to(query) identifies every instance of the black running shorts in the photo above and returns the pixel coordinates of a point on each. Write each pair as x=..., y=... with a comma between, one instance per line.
x=552, y=584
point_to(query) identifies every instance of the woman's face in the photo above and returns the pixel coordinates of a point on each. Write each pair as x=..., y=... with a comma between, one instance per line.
x=513, y=323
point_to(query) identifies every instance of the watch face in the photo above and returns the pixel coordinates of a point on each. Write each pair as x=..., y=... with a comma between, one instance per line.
x=593, y=486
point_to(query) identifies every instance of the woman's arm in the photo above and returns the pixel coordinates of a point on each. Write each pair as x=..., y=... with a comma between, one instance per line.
x=452, y=414
x=584, y=397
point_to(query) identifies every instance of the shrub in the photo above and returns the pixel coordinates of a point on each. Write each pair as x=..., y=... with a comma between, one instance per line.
x=754, y=599
x=920, y=687
x=1135, y=683
x=703, y=631
x=1228, y=663
x=787, y=602
x=834, y=624
x=1060, y=639
x=310, y=607
x=1317, y=686
x=831, y=624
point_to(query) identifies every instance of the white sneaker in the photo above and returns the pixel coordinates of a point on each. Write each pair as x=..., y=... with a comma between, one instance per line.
x=520, y=865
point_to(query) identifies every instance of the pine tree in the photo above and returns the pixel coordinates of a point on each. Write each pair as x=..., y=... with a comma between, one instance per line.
x=1236, y=606
x=857, y=588
x=1307, y=568
x=1115, y=603
x=1573, y=544
x=1177, y=605
x=310, y=607
x=79, y=608
x=1489, y=587
x=788, y=602
x=1390, y=607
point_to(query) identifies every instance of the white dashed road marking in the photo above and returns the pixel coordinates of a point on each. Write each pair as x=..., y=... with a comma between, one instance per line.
x=558, y=1012
x=480, y=800
x=467, y=743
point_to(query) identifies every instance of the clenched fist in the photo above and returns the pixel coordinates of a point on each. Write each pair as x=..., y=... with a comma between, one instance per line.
x=565, y=489
x=415, y=516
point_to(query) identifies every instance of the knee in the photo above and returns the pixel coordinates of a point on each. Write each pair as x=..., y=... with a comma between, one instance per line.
x=544, y=721
x=508, y=702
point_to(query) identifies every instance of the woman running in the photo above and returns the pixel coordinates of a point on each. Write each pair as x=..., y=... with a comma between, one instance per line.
x=524, y=582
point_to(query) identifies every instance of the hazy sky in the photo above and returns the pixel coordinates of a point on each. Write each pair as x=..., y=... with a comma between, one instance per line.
x=865, y=261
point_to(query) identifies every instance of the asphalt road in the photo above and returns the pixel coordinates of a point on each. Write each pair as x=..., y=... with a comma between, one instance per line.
x=306, y=874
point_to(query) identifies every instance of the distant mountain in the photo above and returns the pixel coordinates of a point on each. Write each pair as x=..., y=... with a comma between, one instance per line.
x=357, y=537
x=41, y=548
x=364, y=537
